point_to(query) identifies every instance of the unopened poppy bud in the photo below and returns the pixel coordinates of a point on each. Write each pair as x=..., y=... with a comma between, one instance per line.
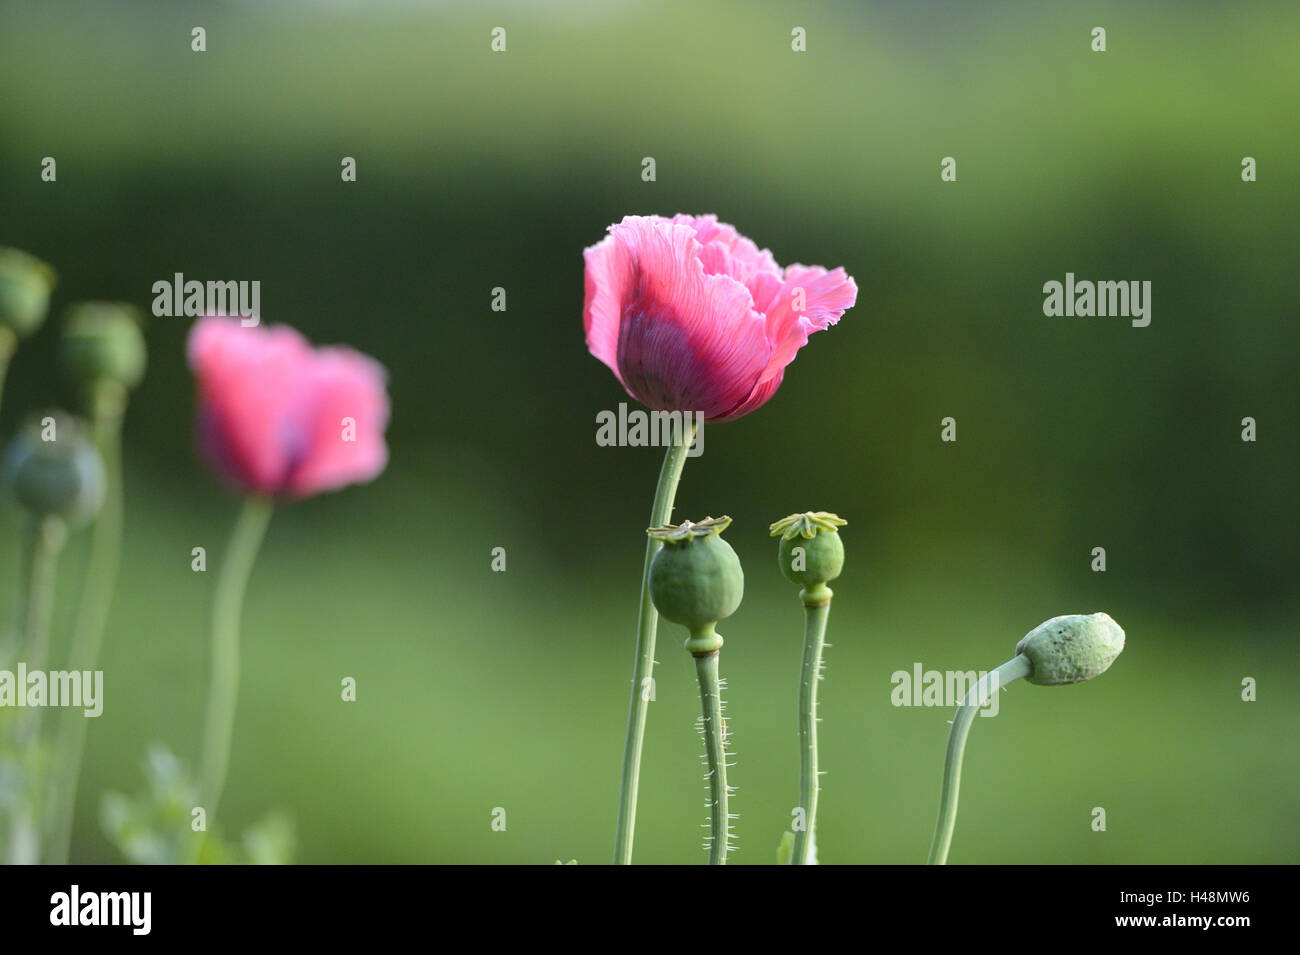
x=811, y=552
x=102, y=345
x=1072, y=648
x=25, y=286
x=696, y=580
x=53, y=469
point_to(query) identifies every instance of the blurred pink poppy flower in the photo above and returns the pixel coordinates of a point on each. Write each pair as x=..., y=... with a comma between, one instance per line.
x=279, y=417
x=692, y=316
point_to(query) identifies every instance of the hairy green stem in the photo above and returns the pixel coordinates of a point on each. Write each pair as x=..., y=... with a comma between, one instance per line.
x=977, y=696
x=715, y=749
x=223, y=692
x=92, y=618
x=44, y=541
x=817, y=607
x=643, y=668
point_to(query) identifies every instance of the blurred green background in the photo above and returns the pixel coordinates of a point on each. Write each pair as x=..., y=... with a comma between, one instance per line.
x=478, y=689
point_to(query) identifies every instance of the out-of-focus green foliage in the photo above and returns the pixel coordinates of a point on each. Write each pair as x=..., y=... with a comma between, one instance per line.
x=158, y=827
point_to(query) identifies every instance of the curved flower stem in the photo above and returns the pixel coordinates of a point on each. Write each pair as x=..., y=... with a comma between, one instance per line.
x=223, y=693
x=44, y=541
x=8, y=345
x=706, y=667
x=817, y=607
x=991, y=682
x=643, y=668
x=92, y=617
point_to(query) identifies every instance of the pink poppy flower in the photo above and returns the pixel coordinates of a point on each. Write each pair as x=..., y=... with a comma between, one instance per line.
x=279, y=417
x=692, y=316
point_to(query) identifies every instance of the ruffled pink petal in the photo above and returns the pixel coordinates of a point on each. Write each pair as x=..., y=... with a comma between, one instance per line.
x=610, y=283
x=343, y=430
x=251, y=385
x=688, y=341
x=757, y=398
x=766, y=289
x=827, y=295
x=724, y=251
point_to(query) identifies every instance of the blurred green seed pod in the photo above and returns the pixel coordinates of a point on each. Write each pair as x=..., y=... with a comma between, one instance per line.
x=810, y=551
x=103, y=346
x=1072, y=648
x=52, y=469
x=25, y=286
x=696, y=579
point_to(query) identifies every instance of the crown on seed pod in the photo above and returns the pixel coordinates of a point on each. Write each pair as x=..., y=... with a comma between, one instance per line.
x=810, y=551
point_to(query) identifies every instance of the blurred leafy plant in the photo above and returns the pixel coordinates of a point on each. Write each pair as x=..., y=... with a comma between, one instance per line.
x=156, y=826
x=23, y=774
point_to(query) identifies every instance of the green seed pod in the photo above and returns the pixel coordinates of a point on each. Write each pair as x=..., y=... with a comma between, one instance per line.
x=811, y=552
x=25, y=286
x=102, y=342
x=51, y=468
x=1072, y=648
x=696, y=580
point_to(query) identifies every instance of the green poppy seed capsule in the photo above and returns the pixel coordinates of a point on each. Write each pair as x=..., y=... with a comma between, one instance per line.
x=25, y=286
x=102, y=343
x=696, y=580
x=1072, y=648
x=53, y=470
x=810, y=552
